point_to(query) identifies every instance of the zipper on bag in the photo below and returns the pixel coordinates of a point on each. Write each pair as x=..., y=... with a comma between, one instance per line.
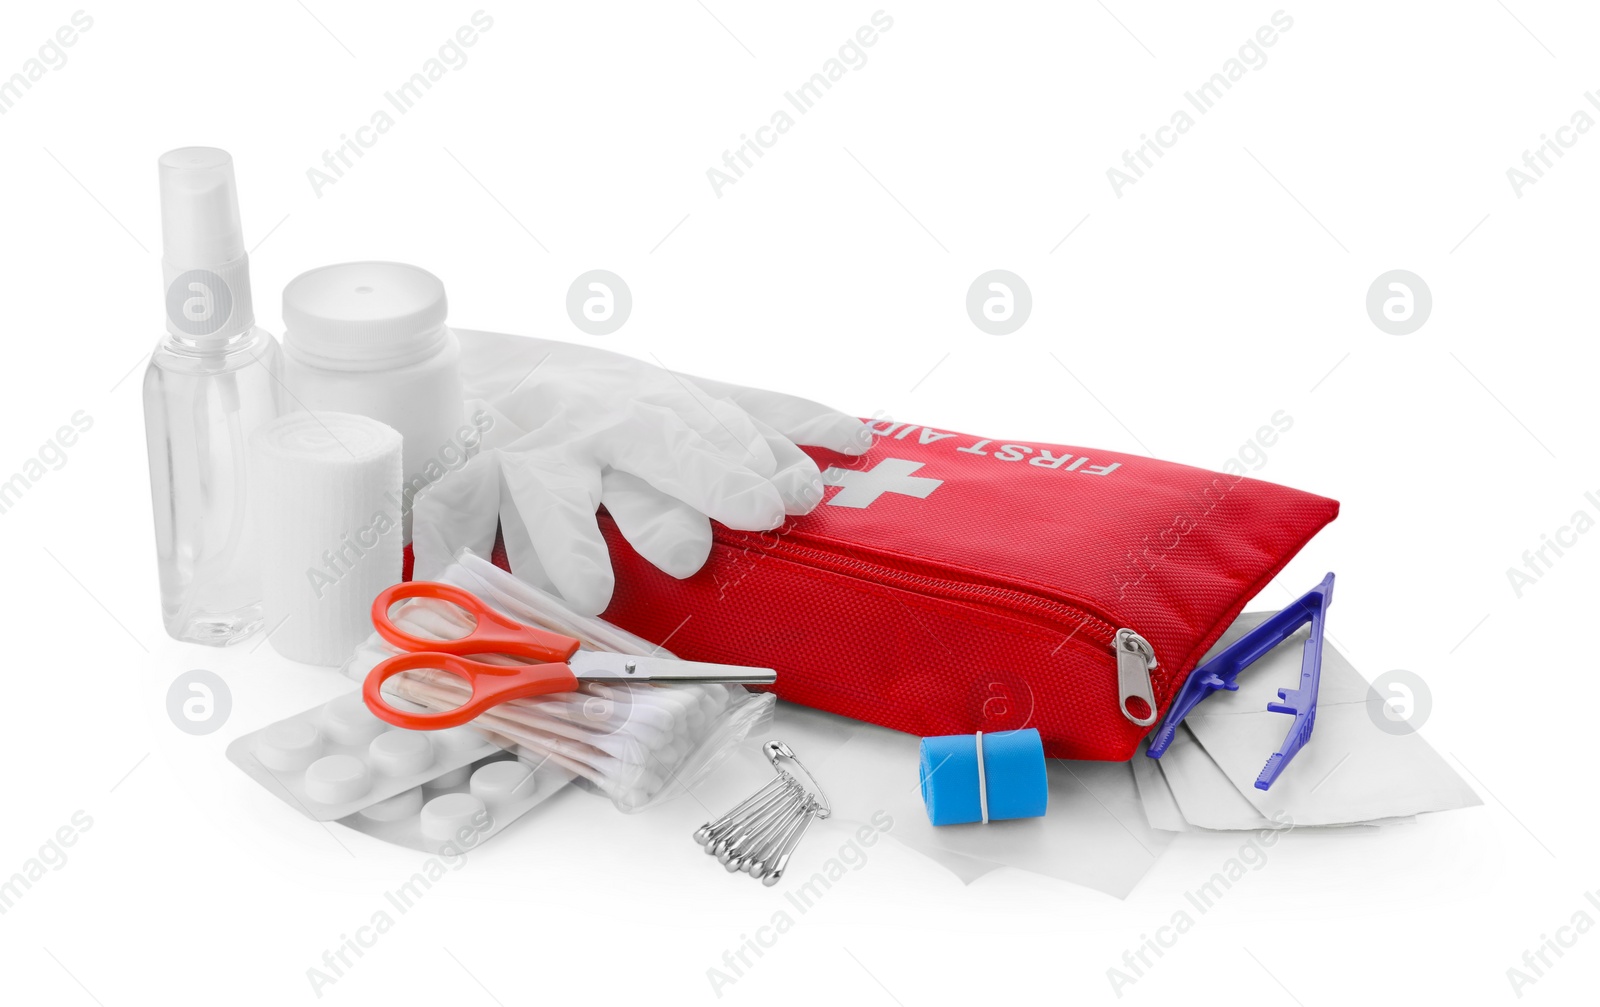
x=1135, y=692
x=1134, y=655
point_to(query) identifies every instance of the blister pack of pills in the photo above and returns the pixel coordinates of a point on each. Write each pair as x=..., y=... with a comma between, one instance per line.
x=464, y=808
x=333, y=760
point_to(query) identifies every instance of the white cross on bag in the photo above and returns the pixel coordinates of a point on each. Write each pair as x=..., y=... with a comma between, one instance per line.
x=892, y=475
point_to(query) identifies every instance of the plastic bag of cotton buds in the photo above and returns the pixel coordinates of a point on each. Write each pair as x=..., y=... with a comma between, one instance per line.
x=639, y=745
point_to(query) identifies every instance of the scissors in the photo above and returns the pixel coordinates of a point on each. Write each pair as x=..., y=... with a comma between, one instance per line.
x=558, y=663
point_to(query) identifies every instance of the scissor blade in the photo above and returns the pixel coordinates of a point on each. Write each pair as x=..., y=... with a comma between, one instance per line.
x=592, y=665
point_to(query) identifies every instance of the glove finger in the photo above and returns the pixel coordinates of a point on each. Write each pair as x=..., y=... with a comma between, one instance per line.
x=721, y=422
x=798, y=480
x=755, y=453
x=520, y=553
x=655, y=444
x=555, y=497
x=457, y=512
x=669, y=533
x=801, y=420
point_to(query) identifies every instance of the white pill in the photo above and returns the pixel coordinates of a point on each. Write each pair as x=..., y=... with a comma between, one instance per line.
x=458, y=739
x=450, y=780
x=291, y=745
x=400, y=752
x=335, y=779
x=454, y=818
x=348, y=721
x=401, y=805
x=500, y=783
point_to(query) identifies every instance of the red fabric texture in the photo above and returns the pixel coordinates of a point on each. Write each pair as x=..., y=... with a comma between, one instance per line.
x=977, y=584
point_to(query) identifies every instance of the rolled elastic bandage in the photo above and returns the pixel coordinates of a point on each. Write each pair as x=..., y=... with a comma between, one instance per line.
x=984, y=777
x=326, y=517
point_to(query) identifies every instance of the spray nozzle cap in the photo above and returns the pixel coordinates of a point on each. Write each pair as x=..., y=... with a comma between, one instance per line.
x=199, y=208
x=204, y=266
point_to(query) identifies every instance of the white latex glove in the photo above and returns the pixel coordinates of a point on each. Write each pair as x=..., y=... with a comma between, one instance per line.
x=575, y=428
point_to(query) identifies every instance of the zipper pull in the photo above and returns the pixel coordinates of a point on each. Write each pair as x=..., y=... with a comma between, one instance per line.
x=1136, y=695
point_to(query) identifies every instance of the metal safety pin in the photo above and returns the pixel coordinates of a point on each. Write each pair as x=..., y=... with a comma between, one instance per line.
x=759, y=825
x=769, y=867
x=704, y=834
x=760, y=834
x=725, y=836
x=742, y=856
x=775, y=750
x=759, y=860
x=719, y=838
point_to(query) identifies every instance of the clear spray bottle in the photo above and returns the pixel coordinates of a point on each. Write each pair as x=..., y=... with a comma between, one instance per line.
x=212, y=379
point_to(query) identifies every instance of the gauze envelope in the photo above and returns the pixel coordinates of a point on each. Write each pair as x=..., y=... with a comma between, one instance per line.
x=1204, y=794
x=1212, y=800
x=1350, y=771
x=1160, y=806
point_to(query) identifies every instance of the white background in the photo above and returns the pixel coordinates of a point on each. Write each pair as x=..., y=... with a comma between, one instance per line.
x=1227, y=284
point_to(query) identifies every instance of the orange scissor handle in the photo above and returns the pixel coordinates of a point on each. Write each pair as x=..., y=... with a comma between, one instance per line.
x=493, y=634
x=492, y=684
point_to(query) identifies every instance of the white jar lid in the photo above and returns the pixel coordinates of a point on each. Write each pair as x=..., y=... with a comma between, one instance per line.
x=357, y=315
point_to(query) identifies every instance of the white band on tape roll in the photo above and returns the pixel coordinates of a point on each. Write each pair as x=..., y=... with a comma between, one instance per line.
x=983, y=783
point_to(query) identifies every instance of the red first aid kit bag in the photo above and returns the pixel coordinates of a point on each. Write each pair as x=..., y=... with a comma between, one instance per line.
x=949, y=584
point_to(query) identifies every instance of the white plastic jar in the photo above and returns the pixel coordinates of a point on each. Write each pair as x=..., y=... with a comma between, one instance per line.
x=370, y=338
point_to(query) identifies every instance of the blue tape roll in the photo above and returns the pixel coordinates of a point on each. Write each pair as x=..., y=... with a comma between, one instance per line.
x=1012, y=773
